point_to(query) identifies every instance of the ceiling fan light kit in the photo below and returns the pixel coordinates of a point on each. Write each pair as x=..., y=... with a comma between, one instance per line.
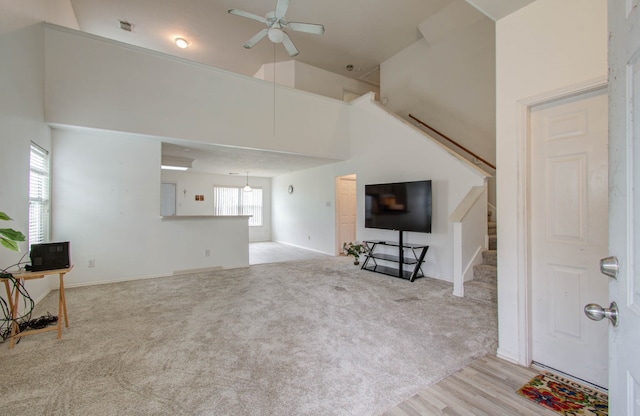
x=276, y=25
x=276, y=35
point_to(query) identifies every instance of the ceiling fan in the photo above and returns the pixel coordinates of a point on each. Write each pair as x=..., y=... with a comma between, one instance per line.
x=276, y=24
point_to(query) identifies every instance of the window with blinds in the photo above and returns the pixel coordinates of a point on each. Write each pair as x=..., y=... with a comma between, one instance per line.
x=38, y=195
x=229, y=200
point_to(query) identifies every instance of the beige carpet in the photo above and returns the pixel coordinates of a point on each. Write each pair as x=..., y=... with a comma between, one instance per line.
x=315, y=337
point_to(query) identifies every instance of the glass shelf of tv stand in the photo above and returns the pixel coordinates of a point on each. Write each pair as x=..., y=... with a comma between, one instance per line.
x=396, y=268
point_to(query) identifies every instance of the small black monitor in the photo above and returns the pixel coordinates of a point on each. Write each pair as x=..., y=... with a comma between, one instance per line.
x=49, y=256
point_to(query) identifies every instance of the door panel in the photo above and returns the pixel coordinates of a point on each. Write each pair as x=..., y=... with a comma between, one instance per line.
x=566, y=204
x=566, y=281
x=634, y=134
x=569, y=231
x=624, y=204
x=346, y=211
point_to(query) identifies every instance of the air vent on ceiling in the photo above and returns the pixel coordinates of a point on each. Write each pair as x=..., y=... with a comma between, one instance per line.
x=124, y=25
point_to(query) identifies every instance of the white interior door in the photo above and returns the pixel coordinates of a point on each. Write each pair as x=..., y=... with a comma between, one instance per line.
x=346, y=210
x=624, y=204
x=568, y=234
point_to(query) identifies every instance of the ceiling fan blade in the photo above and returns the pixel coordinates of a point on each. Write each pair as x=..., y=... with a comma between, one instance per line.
x=242, y=13
x=306, y=27
x=255, y=39
x=289, y=46
x=281, y=8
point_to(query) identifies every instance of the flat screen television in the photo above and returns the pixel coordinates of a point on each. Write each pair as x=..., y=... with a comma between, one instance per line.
x=402, y=206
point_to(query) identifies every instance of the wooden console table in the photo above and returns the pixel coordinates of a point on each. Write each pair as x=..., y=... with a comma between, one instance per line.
x=13, y=303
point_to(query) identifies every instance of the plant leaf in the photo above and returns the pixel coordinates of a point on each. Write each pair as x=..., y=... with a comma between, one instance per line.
x=12, y=234
x=4, y=216
x=11, y=245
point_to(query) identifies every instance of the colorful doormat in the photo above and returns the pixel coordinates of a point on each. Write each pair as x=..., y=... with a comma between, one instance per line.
x=564, y=396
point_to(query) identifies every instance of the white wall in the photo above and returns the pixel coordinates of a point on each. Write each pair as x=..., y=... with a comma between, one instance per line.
x=312, y=79
x=306, y=217
x=447, y=79
x=545, y=47
x=202, y=184
x=21, y=112
x=98, y=83
x=285, y=73
x=106, y=202
x=384, y=149
x=318, y=81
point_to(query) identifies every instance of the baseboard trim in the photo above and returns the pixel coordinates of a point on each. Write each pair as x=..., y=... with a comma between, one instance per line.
x=36, y=301
x=503, y=355
x=202, y=270
x=303, y=247
x=126, y=279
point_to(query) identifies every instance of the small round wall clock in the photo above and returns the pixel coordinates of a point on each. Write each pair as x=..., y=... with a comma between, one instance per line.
x=290, y=189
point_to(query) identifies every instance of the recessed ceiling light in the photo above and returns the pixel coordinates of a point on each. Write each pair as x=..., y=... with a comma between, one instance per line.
x=181, y=43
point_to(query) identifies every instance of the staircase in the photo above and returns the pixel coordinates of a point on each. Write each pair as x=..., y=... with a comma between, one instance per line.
x=484, y=286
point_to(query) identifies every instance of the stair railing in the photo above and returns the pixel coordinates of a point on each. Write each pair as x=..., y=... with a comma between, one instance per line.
x=469, y=236
x=444, y=136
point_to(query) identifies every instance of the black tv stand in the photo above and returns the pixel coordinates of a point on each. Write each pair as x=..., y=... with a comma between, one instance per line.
x=393, y=265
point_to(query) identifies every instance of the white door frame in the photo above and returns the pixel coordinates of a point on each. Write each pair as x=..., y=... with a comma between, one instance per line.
x=523, y=197
x=350, y=177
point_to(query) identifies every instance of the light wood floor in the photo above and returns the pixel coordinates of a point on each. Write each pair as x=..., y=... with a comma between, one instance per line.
x=485, y=388
x=272, y=252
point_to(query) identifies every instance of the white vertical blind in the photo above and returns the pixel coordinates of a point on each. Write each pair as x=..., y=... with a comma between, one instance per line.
x=38, y=195
x=229, y=200
x=252, y=205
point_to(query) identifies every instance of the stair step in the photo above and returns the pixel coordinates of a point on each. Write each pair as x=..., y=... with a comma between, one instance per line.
x=481, y=291
x=485, y=273
x=490, y=257
x=493, y=242
x=484, y=288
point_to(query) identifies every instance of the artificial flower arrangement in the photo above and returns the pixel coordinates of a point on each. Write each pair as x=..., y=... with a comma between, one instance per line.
x=354, y=249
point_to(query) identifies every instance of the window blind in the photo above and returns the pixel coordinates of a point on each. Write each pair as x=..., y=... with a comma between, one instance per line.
x=228, y=200
x=38, y=195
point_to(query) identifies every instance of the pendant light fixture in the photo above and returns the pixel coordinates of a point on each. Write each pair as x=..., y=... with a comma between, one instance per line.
x=247, y=188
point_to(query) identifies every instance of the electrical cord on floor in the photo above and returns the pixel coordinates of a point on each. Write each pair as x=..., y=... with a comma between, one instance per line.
x=27, y=302
x=6, y=313
x=39, y=323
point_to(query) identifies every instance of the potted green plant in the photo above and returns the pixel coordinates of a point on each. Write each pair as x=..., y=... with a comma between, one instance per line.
x=10, y=237
x=354, y=249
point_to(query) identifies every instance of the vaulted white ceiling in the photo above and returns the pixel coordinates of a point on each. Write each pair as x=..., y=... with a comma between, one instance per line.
x=362, y=33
